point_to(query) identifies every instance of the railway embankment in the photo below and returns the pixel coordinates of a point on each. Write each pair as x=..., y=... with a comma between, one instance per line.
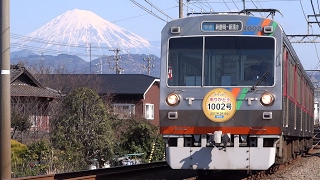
x=306, y=167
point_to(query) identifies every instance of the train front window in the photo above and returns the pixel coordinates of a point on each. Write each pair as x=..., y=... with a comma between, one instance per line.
x=227, y=61
x=238, y=61
x=185, y=61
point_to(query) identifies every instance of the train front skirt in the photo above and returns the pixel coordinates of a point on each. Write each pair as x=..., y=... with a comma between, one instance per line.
x=220, y=158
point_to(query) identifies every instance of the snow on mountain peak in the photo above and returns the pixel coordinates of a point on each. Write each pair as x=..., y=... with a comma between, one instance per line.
x=75, y=29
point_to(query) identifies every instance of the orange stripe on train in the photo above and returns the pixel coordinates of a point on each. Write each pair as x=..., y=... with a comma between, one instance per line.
x=266, y=22
x=235, y=92
x=232, y=130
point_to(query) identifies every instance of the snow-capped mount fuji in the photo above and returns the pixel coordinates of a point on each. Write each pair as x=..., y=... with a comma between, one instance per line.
x=77, y=32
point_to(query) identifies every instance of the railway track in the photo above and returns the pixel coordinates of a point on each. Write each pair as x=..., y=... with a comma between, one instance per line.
x=149, y=171
x=316, y=137
x=107, y=173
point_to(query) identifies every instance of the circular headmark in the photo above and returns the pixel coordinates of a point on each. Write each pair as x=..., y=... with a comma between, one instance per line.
x=219, y=105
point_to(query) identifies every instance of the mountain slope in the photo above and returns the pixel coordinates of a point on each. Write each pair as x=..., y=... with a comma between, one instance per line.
x=80, y=31
x=63, y=63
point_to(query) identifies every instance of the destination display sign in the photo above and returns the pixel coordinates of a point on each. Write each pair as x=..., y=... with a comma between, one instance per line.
x=221, y=26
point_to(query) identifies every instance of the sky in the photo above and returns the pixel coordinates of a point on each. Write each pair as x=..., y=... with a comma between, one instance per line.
x=28, y=16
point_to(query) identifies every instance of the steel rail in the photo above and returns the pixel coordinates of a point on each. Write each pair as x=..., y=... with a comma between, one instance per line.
x=98, y=173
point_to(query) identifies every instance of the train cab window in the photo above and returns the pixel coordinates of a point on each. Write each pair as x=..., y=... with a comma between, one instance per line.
x=221, y=61
x=185, y=61
x=238, y=61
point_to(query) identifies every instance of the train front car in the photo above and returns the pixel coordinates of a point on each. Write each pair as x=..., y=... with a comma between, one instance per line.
x=221, y=95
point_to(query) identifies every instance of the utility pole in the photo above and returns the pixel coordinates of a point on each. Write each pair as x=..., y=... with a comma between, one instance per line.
x=117, y=58
x=149, y=66
x=98, y=65
x=5, y=106
x=180, y=8
x=90, y=56
x=244, y=4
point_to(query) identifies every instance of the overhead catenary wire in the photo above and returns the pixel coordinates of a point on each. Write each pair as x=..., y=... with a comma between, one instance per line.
x=235, y=5
x=158, y=9
x=104, y=23
x=140, y=15
x=256, y=7
x=195, y=5
x=261, y=7
x=145, y=9
x=315, y=46
x=234, y=1
x=318, y=64
x=16, y=36
x=304, y=14
x=227, y=5
x=209, y=5
x=305, y=17
x=62, y=47
x=201, y=7
x=314, y=12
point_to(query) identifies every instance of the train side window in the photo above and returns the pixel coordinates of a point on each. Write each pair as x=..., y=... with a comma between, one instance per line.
x=291, y=79
x=298, y=85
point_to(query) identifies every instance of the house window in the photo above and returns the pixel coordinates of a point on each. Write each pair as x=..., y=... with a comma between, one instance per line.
x=33, y=120
x=124, y=111
x=149, y=111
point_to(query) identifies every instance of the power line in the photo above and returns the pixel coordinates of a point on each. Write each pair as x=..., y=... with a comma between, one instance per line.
x=303, y=12
x=200, y=2
x=227, y=5
x=194, y=4
x=261, y=7
x=209, y=5
x=158, y=9
x=317, y=66
x=32, y=39
x=256, y=7
x=315, y=15
x=235, y=5
x=148, y=11
x=314, y=12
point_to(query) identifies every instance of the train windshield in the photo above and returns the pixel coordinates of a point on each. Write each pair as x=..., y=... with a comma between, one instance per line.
x=221, y=61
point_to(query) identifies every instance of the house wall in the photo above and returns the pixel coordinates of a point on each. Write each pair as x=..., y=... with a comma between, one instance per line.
x=153, y=97
x=36, y=108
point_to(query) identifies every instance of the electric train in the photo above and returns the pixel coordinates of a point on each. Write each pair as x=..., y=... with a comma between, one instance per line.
x=233, y=93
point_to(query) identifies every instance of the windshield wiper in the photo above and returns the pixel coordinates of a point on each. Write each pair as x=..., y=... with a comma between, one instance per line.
x=259, y=81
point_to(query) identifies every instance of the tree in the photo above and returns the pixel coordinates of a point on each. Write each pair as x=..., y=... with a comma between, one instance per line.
x=19, y=154
x=26, y=115
x=31, y=160
x=140, y=136
x=19, y=122
x=82, y=131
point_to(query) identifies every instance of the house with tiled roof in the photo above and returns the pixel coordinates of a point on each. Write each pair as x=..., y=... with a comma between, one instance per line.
x=132, y=94
x=29, y=98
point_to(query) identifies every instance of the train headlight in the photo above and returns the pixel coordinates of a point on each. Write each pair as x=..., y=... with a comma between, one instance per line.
x=267, y=99
x=173, y=99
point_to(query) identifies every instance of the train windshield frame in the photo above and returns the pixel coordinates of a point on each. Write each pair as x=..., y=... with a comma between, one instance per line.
x=221, y=61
